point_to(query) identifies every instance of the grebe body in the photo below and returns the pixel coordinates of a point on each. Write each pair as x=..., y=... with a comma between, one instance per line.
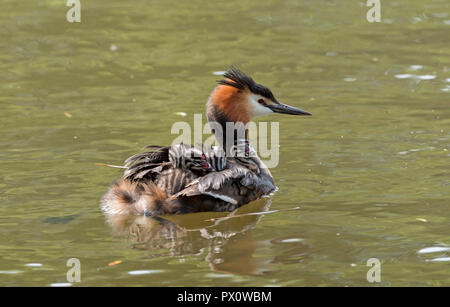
x=181, y=179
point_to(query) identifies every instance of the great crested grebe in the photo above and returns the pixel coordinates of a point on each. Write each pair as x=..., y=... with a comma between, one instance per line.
x=181, y=179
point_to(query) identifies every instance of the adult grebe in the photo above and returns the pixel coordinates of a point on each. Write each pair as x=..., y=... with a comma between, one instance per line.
x=181, y=179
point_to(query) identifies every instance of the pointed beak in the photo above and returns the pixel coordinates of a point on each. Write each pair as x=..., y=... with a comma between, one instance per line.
x=285, y=109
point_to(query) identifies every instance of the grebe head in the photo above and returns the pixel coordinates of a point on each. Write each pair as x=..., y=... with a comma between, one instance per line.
x=238, y=98
x=196, y=158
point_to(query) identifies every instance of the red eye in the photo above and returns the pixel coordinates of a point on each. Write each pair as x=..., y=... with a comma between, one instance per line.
x=261, y=101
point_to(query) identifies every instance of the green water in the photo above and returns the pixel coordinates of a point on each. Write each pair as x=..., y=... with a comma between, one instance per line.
x=369, y=170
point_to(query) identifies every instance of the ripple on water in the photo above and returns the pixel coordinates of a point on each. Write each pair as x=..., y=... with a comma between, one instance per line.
x=418, y=77
x=415, y=67
x=403, y=76
x=426, y=77
x=144, y=272
x=215, y=275
x=440, y=15
x=34, y=265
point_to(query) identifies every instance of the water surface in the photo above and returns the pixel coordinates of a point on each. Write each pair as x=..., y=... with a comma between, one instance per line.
x=369, y=170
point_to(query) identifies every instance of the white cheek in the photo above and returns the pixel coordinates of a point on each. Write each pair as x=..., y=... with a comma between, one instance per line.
x=256, y=109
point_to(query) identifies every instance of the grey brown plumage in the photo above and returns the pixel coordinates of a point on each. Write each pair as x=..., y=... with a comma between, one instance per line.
x=180, y=179
x=164, y=171
x=133, y=198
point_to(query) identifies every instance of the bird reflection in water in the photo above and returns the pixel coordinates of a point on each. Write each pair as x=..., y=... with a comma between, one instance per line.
x=226, y=243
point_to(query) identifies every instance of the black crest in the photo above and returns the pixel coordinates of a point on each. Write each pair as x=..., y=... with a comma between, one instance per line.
x=236, y=78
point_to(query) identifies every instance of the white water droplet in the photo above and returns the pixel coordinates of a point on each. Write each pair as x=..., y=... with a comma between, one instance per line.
x=440, y=15
x=11, y=272
x=293, y=240
x=61, y=284
x=144, y=272
x=34, y=264
x=426, y=77
x=219, y=73
x=416, y=67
